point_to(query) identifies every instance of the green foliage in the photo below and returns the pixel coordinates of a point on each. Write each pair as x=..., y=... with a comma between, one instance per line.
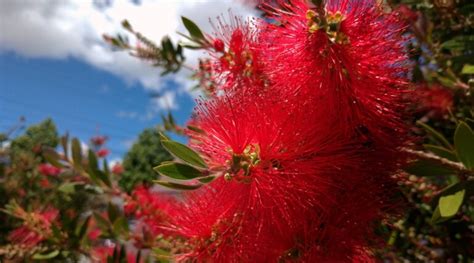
x=35, y=137
x=146, y=153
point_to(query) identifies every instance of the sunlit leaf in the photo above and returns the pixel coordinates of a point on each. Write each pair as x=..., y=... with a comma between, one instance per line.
x=178, y=171
x=184, y=153
x=49, y=255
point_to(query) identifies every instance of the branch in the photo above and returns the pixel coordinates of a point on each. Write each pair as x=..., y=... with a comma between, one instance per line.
x=463, y=172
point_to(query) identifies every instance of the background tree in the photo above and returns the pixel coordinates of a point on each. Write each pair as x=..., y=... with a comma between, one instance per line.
x=146, y=153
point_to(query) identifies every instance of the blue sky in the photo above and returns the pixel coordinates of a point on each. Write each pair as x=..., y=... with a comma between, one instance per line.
x=81, y=99
x=54, y=63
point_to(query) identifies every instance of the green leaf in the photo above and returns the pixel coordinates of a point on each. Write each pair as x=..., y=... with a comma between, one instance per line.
x=126, y=25
x=68, y=188
x=93, y=163
x=120, y=226
x=450, y=204
x=464, y=144
x=178, y=171
x=83, y=229
x=195, y=129
x=207, y=179
x=64, y=144
x=441, y=152
x=49, y=255
x=77, y=153
x=438, y=137
x=459, y=43
x=52, y=157
x=176, y=186
x=193, y=29
x=113, y=212
x=426, y=168
x=184, y=153
x=467, y=69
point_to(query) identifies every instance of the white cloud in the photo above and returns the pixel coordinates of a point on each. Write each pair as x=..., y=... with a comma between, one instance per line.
x=59, y=29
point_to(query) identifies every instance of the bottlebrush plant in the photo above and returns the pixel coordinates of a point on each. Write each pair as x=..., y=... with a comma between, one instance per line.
x=307, y=129
x=328, y=131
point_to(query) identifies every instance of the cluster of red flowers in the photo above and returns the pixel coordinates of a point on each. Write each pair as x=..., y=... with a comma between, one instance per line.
x=48, y=170
x=305, y=132
x=36, y=227
x=98, y=142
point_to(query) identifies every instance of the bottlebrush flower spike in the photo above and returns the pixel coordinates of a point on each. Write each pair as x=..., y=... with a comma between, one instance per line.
x=36, y=227
x=350, y=54
x=48, y=170
x=275, y=179
x=236, y=56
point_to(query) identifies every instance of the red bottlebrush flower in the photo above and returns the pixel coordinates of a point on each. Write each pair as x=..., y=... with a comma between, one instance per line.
x=350, y=55
x=48, y=170
x=236, y=56
x=103, y=153
x=150, y=207
x=407, y=13
x=98, y=140
x=275, y=181
x=36, y=227
x=218, y=45
x=117, y=168
x=436, y=101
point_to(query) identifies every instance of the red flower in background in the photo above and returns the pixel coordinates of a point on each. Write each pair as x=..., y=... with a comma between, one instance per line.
x=117, y=168
x=436, y=100
x=48, y=170
x=36, y=227
x=99, y=140
x=103, y=153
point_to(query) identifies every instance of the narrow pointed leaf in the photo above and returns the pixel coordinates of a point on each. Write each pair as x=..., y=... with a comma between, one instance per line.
x=76, y=153
x=178, y=171
x=184, y=153
x=464, y=144
x=441, y=152
x=438, y=137
x=52, y=157
x=176, y=186
x=192, y=28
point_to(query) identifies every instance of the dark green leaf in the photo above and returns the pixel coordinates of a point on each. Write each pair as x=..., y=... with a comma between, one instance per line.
x=52, y=157
x=459, y=43
x=113, y=212
x=206, y=180
x=178, y=171
x=184, y=153
x=49, y=255
x=93, y=164
x=193, y=29
x=438, y=137
x=441, y=152
x=82, y=231
x=464, y=144
x=196, y=129
x=178, y=186
x=427, y=168
x=77, y=153
x=65, y=144
x=126, y=25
